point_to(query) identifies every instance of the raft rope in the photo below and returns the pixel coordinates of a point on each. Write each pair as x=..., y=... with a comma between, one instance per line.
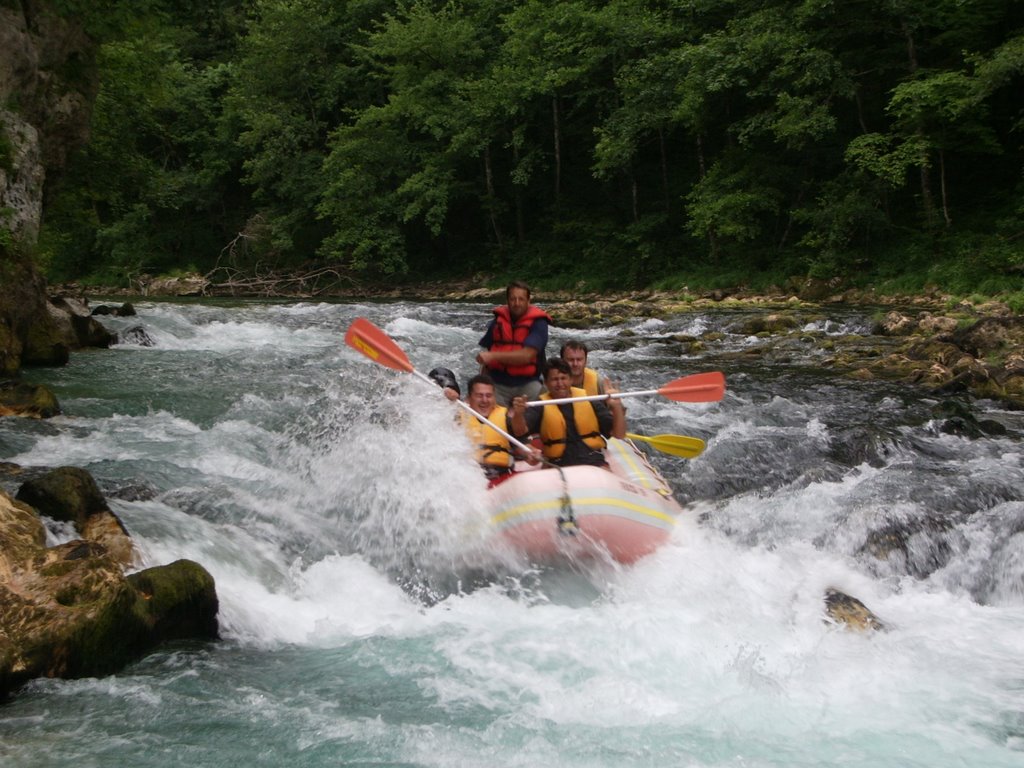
x=566, y=520
x=567, y=517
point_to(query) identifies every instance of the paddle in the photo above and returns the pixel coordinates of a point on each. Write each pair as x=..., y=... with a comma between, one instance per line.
x=676, y=445
x=696, y=388
x=367, y=338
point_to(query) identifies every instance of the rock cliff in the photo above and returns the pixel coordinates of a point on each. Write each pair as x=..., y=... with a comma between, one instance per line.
x=48, y=82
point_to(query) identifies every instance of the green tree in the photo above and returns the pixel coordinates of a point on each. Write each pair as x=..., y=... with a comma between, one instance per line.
x=296, y=80
x=155, y=188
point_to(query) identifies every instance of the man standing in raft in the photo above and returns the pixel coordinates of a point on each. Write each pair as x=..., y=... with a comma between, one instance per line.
x=514, y=344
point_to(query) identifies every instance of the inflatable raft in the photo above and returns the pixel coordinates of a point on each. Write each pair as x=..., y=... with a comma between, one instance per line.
x=586, y=512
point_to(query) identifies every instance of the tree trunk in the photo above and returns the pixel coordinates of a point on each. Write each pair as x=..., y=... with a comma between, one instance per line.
x=635, y=193
x=517, y=199
x=925, y=175
x=557, y=131
x=702, y=168
x=942, y=183
x=664, y=170
x=492, y=201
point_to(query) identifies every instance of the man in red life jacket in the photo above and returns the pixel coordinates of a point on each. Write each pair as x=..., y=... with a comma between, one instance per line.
x=514, y=344
x=574, y=433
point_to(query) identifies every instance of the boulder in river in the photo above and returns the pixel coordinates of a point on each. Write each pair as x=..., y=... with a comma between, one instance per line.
x=69, y=610
x=76, y=323
x=125, y=310
x=841, y=608
x=18, y=398
x=70, y=494
x=135, y=335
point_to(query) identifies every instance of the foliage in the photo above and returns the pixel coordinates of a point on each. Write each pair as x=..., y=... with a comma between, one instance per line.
x=613, y=142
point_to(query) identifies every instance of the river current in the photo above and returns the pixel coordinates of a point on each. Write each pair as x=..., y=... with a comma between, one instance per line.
x=364, y=623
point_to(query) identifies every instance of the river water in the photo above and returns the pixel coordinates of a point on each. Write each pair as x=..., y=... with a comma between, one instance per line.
x=365, y=622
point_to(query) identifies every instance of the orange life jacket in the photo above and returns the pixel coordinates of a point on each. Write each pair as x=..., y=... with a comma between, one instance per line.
x=508, y=336
x=591, y=382
x=553, y=431
x=492, y=448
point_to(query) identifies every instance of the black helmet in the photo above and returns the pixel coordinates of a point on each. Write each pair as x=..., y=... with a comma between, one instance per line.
x=445, y=378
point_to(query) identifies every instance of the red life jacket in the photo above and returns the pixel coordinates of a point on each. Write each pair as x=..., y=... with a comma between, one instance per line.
x=507, y=336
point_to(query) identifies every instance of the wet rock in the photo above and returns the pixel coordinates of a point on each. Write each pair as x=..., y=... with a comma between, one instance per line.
x=765, y=324
x=954, y=417
x=180, y=599
x=841, y=608
x=861, y=444
x=132, y=492
x=936, y=324
x=896, y=324
x=135, y=335
x=32, y=400
x=77, y=325
x=70, y=494
x=69, y=610
x=46, y=342
x=917, y=547
x=992, y=335
x=125, y=310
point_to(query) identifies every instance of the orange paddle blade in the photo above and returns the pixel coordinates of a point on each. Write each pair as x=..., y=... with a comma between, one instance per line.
x=367, y=338
x=697, y=388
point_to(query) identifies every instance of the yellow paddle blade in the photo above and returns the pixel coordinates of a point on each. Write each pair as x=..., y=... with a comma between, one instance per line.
x=676, y=445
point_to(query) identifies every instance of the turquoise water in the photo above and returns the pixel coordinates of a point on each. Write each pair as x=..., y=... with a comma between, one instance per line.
x=367, y=621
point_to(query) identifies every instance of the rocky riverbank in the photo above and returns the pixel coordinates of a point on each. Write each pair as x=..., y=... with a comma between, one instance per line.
x=927, y=340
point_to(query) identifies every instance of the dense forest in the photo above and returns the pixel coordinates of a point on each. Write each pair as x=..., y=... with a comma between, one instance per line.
x=616, y=142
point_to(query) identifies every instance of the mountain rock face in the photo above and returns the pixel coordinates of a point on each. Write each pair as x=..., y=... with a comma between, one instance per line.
x=48, y=82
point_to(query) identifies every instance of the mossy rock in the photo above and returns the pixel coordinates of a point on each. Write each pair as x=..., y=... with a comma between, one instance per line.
x=991, y=336
x=21, y=532
x=941, y=352
x=77, y=615
x=23, y=399
x=10, y=351
x=765, y=325
x=69, y=494
x=45, y=343
x=180, y=601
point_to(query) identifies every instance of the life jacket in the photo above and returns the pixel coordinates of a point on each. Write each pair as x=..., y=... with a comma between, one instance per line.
x=553, y=431
x=492, y=448
x=508, y=336
x=591, y=382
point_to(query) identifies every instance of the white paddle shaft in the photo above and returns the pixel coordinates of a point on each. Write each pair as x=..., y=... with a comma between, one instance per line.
x=581, y=398
x=482, y=419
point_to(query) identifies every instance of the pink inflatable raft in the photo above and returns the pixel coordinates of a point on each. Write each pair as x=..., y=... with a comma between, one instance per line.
x=586, y=512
